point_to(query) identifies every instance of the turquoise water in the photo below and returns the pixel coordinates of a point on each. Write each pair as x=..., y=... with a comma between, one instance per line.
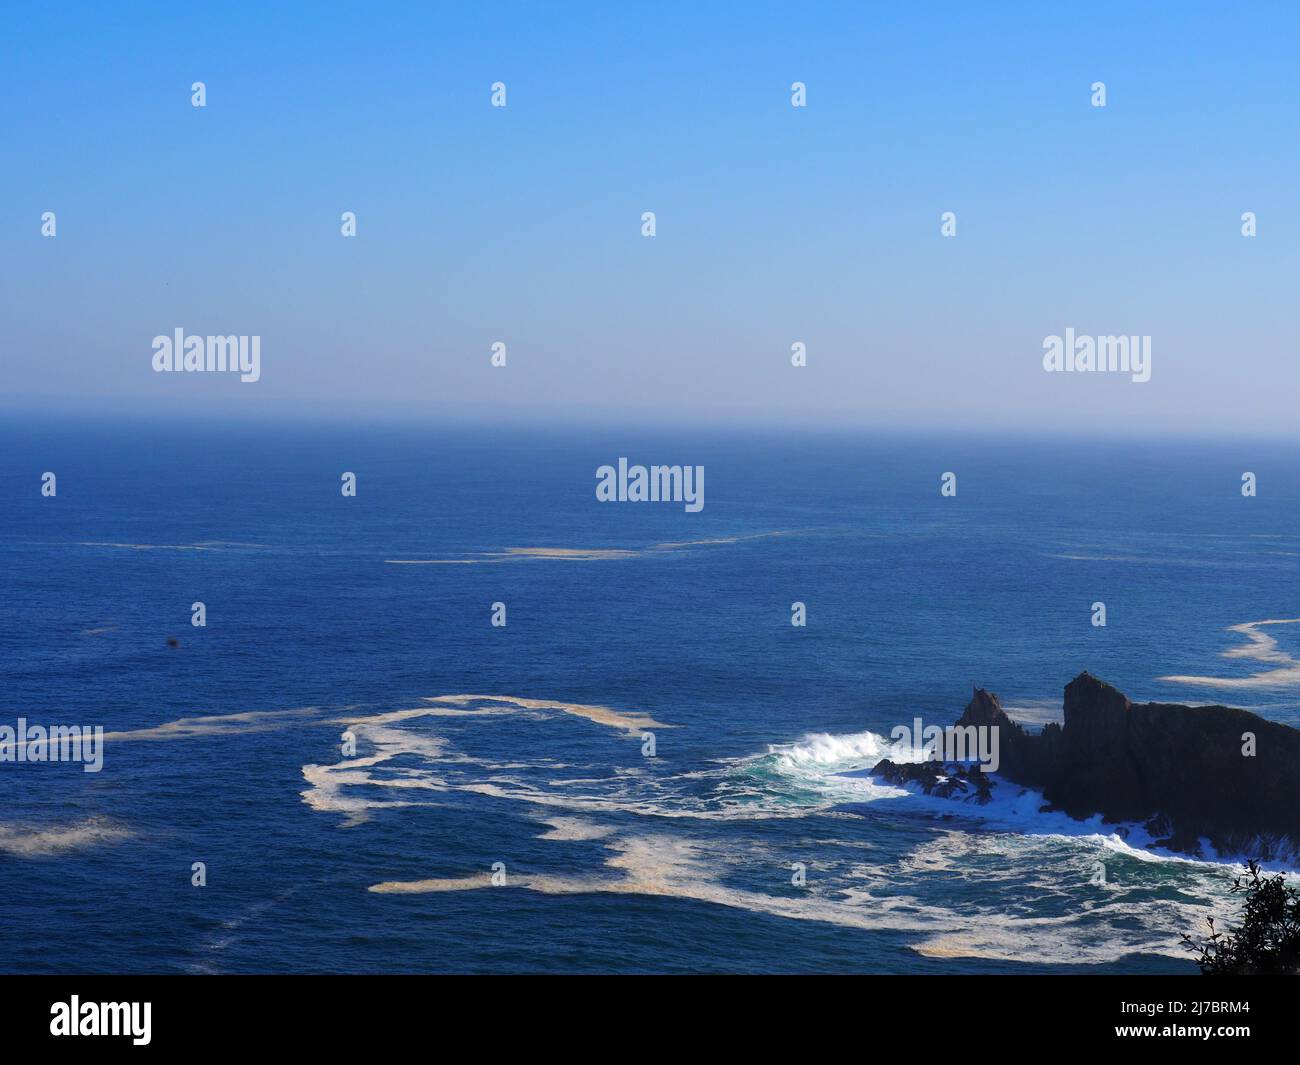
x=666, y=622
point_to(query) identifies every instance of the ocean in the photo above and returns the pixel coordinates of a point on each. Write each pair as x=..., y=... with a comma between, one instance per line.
x=647, y=767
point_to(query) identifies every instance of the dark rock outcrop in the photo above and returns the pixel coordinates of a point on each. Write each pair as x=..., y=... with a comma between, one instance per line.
x=1179, y=769
x=946, y=780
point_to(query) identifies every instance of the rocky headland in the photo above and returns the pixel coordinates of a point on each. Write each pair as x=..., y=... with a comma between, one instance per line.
x=1184, y=772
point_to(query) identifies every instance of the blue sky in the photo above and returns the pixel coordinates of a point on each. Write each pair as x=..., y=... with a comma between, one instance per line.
x=775, y=224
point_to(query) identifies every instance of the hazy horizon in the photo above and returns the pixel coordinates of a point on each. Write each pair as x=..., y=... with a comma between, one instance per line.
x=523, y=418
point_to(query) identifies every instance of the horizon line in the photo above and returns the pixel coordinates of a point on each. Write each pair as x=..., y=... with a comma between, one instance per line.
x=515, y=416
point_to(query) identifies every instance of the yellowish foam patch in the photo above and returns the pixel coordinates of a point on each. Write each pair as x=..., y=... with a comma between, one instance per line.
x=59, y=839
x=327, y=784
x=581, y=554
x=629, y=720
x=574, y=829
x=1259, y=647
x=214, y=725
x=661, y=865
x=417, y=887
x=204, y=545
x=571, y=554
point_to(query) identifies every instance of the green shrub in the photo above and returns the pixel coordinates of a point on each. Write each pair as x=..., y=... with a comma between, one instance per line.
x=1267, y=938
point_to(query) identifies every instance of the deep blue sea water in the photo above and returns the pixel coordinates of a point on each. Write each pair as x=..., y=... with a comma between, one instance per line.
x=613, y=861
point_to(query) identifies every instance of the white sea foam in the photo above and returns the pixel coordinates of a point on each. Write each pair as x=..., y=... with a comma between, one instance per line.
x=1146, y=560
x=1013, y=808
x=824, y=749
x=1012, y=847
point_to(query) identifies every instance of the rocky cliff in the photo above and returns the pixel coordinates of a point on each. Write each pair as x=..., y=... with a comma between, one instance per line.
x=1179, y=769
